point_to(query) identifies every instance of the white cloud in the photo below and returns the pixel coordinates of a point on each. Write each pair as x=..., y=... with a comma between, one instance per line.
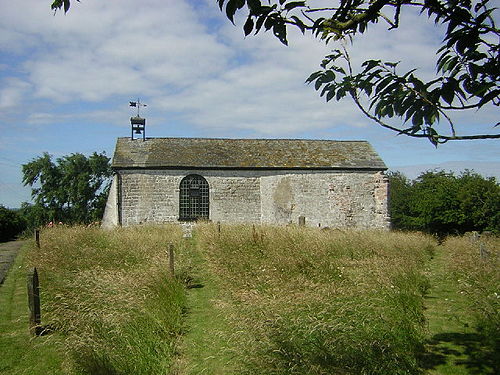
x=12, y=92
x=174, y=53
x=101, y=49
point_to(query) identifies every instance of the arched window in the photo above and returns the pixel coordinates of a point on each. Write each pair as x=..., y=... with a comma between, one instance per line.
x=193, y=198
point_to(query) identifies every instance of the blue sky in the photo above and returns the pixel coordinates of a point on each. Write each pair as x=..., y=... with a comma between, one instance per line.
x=66, y=80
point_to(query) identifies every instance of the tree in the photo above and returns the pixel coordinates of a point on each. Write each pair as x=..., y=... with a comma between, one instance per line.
x=441, y=203
x=467, y=65
x=399, y=201
x=11, y=224
x=479, y=202
x=436, y=208
x=73, y=190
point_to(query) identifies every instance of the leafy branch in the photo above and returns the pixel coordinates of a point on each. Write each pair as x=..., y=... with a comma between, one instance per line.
x=467, y=67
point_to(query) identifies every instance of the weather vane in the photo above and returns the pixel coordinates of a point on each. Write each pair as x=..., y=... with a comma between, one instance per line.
x=138, y=104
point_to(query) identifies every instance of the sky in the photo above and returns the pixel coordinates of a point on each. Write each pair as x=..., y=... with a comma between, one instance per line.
x=66, y=82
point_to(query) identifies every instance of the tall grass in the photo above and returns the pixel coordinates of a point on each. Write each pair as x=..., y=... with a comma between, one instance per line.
x=294, y=300
x=110, y=294
x=478, y=274
x=305, y=301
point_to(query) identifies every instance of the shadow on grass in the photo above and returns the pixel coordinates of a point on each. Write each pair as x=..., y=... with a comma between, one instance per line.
x=195, y=286
x=461, y=349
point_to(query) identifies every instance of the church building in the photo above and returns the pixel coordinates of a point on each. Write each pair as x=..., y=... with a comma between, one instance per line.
x=336, y=184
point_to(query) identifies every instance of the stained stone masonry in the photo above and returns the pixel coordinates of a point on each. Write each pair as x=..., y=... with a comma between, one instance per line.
x=345, y=188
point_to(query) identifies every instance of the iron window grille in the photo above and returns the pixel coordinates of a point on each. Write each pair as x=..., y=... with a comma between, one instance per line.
x=193, y=198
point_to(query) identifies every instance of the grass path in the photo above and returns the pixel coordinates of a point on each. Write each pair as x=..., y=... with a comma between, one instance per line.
x=453, y=347
x=19, y=352
x=204, y=348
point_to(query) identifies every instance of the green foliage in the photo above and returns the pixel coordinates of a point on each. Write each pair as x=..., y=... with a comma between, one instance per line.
x=72, y=190
x=58, y=4
x=442, y=203
x=11, y=224
x=468, y=62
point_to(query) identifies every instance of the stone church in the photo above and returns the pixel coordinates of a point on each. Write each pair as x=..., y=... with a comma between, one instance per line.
x=337, y=184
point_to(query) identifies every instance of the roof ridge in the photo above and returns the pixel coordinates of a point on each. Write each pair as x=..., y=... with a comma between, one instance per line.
x=253, y=139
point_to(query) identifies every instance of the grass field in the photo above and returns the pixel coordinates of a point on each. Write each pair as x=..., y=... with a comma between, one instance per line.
x=253, y=300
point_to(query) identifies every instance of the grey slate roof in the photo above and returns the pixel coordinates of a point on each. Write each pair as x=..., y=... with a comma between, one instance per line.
x=244, y=153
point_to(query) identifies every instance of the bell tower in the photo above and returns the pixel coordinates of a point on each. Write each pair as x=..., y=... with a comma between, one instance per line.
x=138, y=123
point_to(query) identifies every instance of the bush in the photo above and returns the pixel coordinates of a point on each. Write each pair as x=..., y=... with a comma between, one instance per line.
x=11, y=224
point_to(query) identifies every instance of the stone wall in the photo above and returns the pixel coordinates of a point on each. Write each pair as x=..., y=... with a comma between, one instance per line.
x=153, y=195
x=110, y=218
x=326, y=198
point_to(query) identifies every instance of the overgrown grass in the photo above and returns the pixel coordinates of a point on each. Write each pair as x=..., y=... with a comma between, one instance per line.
x=304, y=301
x=110, y=295
x=19, y=353
x=269, y=300
x=477, y=273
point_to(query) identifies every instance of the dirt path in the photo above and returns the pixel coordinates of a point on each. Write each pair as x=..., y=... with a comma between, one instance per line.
x=453, y=346
x=8, y=252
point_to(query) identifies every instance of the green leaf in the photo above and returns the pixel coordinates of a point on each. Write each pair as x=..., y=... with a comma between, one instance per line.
x=313, y=76
x=409, y=113
x=383, y=83
x=279, y=31
x=248, y=27
x=340, y=93
x=231, y=7
x=448, y=92
x=330, y=94
x=259, y=23
x=328, y=76
x=299, y=23
x=254, y=6
x=269, y=22
x=325, y=90
x=294, y=4
x=417, y=119
x=489, y=97
x=318, y=84
x=433, y=136
x=370, y=64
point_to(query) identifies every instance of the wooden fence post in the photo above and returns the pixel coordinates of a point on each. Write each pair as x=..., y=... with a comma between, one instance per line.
x=34, y=302
x=171, y=259
x=37, y=238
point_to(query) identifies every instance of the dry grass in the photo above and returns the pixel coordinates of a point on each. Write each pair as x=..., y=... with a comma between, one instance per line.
x=294, y=300
x=301, y=300
x=110, y=294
